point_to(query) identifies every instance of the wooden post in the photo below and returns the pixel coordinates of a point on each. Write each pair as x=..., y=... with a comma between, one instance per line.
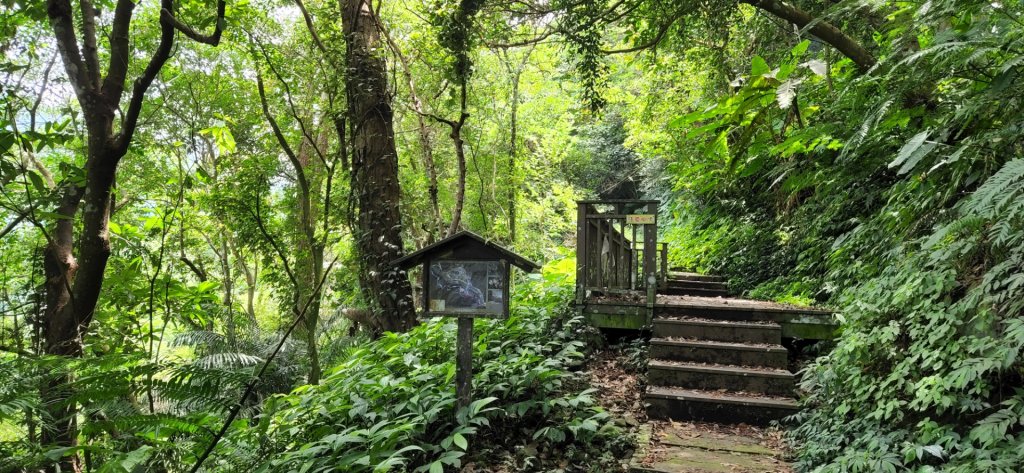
x=650, y=253
x=600, y=255
x=664, y=265
x=464, y=363
x=582, y=225
x=635, y=259
x=620, y=250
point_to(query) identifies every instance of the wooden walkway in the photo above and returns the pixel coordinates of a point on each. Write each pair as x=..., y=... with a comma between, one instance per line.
x=623, y=311
x=713, y=358
x=672, y=447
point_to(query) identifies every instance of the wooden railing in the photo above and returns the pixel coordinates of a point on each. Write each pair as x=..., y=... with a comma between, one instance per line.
x=617, y=249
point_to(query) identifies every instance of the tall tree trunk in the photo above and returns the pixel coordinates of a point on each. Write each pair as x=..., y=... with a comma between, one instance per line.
x=73, y=287
x=229, y=289
x=309, y=260
x=460, y=186
x=250, y=282
x=309, y=251
x=516, y=74
x=374, y=171
x=73, y=284
x=513, y=147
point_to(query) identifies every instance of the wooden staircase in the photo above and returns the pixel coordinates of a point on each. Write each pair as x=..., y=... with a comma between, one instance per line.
x=716, y=362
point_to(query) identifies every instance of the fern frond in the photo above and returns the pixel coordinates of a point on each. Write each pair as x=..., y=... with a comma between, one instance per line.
x=999, y=190
x=227, y=360
x=200, y=338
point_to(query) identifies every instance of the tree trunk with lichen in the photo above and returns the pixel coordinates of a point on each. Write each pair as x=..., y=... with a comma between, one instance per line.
x=374, y=172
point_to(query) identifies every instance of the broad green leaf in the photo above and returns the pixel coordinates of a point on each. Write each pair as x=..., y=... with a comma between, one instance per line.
x=908, y=151
x=37, y=182
x=800, y=48
x=758, y=66
x=460, y=441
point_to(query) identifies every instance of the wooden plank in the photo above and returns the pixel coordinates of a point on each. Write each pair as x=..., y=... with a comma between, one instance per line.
x=581, y=251
x=464, y=362
x=600, y=216
x=627, y=322
x=623, y=310
x=612, y=290
x=621, y=274
x=634, y=264
x=664, y=265
x=616, y=201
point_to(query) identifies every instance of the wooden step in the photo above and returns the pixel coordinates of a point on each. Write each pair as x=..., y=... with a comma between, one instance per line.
x=696, y=284
x=703, y=351
x=709, y=406
x=693, y=291
x=717, y=331
x=771, y=382
x=725, y=308
x=739, y=314
x=694, y=276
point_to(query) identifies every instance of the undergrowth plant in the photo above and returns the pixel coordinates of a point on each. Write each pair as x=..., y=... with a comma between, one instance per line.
x=390, y=406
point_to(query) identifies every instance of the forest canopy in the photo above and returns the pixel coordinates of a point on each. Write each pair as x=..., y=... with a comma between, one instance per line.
x=201, y=201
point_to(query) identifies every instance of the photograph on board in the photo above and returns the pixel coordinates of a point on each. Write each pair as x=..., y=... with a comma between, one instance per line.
x=467, y=286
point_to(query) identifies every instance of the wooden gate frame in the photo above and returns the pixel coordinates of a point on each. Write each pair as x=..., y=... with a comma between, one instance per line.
x=634, y=268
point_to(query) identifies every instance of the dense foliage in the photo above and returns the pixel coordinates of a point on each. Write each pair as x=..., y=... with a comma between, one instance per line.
x=390, y=402
x=893, y=196
x=876, y=168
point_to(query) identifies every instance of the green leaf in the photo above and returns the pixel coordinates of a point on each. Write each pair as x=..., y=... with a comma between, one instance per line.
x=758, y=67
x=460, y=441
x=7, y=140
x=37, y=182
x=436, y=467
x=911, y=153
x=799, y=49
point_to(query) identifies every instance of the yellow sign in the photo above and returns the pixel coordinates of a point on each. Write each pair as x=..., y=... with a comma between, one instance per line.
x=640, y=219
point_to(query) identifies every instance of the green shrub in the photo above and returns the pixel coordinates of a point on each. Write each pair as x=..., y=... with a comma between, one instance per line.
x=391, y=404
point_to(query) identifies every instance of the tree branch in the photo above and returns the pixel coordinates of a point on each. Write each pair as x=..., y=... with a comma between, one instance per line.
x=120, y=52
x=300, y=176
x=192, y=266
x=312, y=30
x=824, y=30
x=156, y=62
x=291, y=104
x=212, y=39
x=63, y=24
x=14, y=224
x=90, y=50
x=650, y=44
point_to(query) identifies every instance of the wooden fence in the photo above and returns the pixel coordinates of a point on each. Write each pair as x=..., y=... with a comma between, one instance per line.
x=617, y=250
